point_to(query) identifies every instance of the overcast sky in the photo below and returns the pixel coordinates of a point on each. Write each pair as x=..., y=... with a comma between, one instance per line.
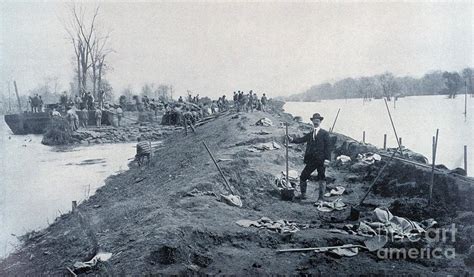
x=216, y=48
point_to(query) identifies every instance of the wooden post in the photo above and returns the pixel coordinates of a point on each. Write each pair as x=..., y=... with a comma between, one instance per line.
x=17, y=97
x=74, y=206
x=465, y=102
x=363, y=137
x=434, y=147
x=335, y=119
x=400, y=141
x=287, y=168
x=465, y=158
x=393, y=126
x=384, y=141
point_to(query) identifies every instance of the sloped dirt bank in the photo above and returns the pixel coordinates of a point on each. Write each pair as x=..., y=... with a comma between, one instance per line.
x=166, y=218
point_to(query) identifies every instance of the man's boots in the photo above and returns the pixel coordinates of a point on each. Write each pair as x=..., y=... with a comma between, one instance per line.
x=322, y=189
x=303, y=185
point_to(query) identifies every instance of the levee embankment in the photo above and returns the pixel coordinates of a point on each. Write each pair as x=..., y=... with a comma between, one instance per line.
x=166, y=218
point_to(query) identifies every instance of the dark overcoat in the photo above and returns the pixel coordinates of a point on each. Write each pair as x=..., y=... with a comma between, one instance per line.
x=317, y=150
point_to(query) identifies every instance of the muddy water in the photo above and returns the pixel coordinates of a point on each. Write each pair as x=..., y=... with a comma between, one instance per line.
x=416, y=119
x=39, y=182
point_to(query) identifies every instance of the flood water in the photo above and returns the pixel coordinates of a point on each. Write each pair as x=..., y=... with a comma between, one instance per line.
x=415, y=118
x=39, y=182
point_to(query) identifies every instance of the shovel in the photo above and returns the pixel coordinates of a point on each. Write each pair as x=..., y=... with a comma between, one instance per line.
x=287, y=193
x=355, y=212
x=230, y=199
x=373, y=244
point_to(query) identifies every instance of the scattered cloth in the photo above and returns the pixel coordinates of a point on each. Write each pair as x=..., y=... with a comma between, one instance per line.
x=343, y=159
x=196, y=192
x=369, y=158
x=280, y=226
x=99, y=257
x=264, y=122
x=384, y=222
x=224, y=160
x=264, y=147
x=232, y=200
x=262, y=133
x=293, y=179
x=335, y=191
x=346, y=250
x=325, y=206
x=247, y=223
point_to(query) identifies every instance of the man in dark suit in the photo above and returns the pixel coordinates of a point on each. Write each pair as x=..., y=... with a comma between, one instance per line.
x=317, y=155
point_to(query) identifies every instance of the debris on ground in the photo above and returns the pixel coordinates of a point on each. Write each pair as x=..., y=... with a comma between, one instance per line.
x=385, y=223
x=329, y=206
x=264, y=147
x=280, y=226
x=264, y=122
x=195, y=192
x=99, y=257
x=337, y=191
x=233, y=200
x=293, y=179
x=343, y=159
x=369, y=158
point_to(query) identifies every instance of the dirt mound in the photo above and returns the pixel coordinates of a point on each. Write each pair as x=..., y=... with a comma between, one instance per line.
x=167, y=218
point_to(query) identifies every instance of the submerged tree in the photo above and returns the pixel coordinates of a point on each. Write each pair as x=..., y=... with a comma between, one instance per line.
x=453, y=82
x=467, y=75
x=389, y=85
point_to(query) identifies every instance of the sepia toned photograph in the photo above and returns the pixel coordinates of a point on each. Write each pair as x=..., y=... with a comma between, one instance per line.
x=242, y=138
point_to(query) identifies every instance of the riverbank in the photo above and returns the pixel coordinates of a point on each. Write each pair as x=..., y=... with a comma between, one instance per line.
x=166, y=219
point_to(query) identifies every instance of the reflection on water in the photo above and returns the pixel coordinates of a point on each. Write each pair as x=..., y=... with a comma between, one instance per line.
x=416, y=120
x=38, y=182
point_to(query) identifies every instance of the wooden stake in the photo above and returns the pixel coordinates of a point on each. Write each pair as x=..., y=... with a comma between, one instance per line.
x=434, y=147
x=287, y=169
x=384, y=141
x=335, y=119
x=363, y=137
x=378, y=176
x=393, y=126
x=465, y=102
x=17, y=97
x=400, y=141
x=465, y=159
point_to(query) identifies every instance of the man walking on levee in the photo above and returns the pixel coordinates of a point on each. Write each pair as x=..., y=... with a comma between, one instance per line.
x=316, y=157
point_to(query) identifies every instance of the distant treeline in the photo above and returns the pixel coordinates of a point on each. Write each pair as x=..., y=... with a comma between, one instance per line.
x=388, y=85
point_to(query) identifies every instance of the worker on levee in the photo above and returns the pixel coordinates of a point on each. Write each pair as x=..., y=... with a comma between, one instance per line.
x=98, y=117
x=189, y=120
x=143, y=152
x=316, y=157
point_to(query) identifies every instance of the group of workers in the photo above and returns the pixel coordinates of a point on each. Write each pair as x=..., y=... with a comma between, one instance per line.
x=318, y=145
x=36, y=103
x=249, y=102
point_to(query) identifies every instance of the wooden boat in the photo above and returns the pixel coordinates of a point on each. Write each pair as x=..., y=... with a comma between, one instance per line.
x=28, y=123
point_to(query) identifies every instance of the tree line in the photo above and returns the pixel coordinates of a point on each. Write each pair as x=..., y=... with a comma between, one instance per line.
x=388, y=85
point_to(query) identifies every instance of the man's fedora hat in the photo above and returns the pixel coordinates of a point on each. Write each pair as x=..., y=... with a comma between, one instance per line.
x=317, y=115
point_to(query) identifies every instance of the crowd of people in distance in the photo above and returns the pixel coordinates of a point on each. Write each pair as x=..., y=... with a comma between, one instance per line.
x=83, y=110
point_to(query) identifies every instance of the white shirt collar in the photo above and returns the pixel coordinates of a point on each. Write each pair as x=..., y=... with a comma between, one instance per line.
x=315, y=132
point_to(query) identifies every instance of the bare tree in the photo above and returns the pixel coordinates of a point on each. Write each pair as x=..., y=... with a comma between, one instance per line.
x=90, y=47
